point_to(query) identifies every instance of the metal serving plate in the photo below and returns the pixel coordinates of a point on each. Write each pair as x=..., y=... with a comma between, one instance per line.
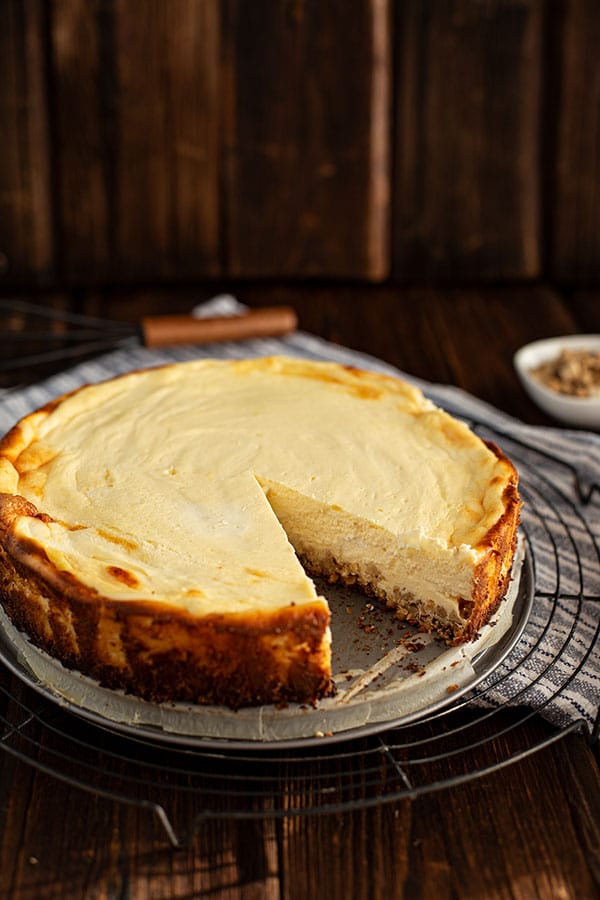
x=387, y=674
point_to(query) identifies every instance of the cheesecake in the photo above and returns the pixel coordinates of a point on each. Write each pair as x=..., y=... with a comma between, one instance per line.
x=159, y=531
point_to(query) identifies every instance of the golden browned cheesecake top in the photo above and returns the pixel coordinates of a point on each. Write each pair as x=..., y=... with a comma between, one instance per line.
x=151, y=484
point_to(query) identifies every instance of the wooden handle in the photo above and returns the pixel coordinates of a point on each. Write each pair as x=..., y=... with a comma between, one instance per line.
x=160, y=331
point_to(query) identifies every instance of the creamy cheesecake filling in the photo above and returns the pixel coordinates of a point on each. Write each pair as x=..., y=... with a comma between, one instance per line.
x=397, y=567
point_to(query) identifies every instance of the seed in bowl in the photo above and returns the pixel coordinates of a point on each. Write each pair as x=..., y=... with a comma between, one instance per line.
x=572, y=372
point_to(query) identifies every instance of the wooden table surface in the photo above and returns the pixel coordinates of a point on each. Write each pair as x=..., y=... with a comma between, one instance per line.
x=527, y=830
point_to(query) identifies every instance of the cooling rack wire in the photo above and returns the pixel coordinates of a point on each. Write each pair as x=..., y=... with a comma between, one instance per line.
x=477, y=734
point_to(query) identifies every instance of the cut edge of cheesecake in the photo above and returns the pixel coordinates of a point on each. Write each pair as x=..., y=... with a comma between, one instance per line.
x=411, y=581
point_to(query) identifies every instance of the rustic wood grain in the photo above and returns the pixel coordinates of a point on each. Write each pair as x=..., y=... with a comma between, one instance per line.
x=166, y=142
x=306, y=113
x=26, y=225
x=136, y=94
x=467, y=140
x=574, y=131
x=167, y=169
x=84, y=114
x=586, y=308
x=529, y=831
x=543, y=852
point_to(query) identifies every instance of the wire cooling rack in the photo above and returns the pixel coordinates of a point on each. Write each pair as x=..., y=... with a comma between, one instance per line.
x=478, y=734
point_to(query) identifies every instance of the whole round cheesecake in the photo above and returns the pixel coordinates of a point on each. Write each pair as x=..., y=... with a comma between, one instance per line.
x=158, y=531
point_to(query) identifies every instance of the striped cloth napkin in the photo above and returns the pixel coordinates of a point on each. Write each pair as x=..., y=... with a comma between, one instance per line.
x=555, y=667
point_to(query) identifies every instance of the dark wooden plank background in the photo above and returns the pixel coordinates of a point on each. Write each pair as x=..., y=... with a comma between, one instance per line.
x=574, y=179
x=379, y=141
x=27, y=241
x=467, y=142
x=306, y=138
x=135, y=110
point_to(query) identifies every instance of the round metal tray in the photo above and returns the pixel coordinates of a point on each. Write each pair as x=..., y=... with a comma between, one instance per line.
x=388, y=674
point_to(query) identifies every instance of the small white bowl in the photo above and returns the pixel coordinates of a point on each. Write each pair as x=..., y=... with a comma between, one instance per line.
x=581, y=411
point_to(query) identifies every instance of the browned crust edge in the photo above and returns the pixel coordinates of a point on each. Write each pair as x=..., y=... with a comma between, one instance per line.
x=493, y=574
x=162, y=653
